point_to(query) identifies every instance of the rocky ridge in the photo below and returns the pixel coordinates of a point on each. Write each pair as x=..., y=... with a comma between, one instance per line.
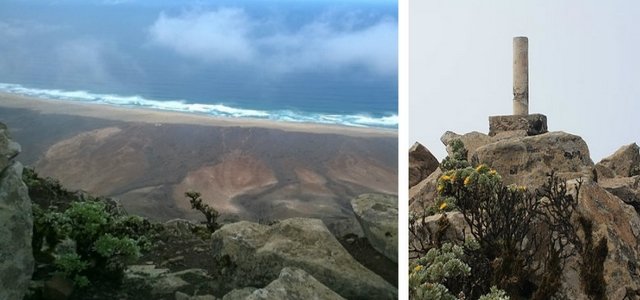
x=610, y=196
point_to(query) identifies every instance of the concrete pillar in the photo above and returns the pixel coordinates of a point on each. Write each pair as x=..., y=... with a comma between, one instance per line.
x=520, y=75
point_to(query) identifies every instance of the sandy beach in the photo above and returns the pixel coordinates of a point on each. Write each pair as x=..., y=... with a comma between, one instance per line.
x=145, y=115
x=246, y=168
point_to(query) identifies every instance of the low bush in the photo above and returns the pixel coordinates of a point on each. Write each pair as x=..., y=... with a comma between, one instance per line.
x=523, y=237
x=85, y=239
x=211, y=215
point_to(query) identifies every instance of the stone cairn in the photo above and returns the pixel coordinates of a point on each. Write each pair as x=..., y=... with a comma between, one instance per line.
x=533, y=124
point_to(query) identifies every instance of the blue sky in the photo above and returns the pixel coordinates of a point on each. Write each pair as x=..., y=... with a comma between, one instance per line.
x=584, y=67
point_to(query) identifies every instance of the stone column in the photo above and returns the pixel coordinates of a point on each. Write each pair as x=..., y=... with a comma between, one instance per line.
x=520, y=75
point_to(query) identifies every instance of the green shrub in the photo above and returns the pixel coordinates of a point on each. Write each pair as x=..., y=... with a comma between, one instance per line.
x=513, y=226
x=87, y=242
x=495, y=294
x=441, y=269
x=117, y=251
x=72, y=266
x=457, y=159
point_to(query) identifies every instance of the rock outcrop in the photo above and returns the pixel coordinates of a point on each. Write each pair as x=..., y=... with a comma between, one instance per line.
x=163, y=282
x=256, y=254
x=292, y=284
x=445, y=227
x=421, y=163
x=623, y=163
x=620, y=225
x=472, y=141
x=16, y=223
x=625, y=188
x=378, y=216
x=611, y=200
x=527, y=160
x=424, y=193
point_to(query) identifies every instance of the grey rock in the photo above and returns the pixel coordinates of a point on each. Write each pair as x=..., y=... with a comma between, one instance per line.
x=448, y=136
x=257, y=253
x=421, y=163
x=423, y=194
x=183, y=296
x=163, y=282
x=472, y=141
x=620, y=224
x=526, y=161
x=625, y=162
x=452, y=227
x=242, y=293
x=292, y=284
x=454, y=231
x=180, y=227
x=16, y=230
x=144, y=271
x=625, y=188
x=378, y=216
x=8, y=148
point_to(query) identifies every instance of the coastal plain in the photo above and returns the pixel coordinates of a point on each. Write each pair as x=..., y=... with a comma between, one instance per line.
x=247, y=169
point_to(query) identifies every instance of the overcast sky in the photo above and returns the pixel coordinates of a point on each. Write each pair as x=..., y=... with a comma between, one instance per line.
x=584, y=68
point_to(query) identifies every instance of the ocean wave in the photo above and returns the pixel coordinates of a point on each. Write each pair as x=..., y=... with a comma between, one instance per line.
x=218, y=110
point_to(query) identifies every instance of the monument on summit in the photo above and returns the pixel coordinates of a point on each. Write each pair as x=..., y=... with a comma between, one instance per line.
x=533, y=124
x=520, y=76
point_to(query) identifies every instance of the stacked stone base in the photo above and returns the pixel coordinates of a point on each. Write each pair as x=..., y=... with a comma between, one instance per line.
x=533, y=124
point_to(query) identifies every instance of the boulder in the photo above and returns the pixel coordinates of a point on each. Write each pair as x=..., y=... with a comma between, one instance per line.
x=242, y=293
x=292, y=284
x=450, y=226
x=424, y=193
x=472, y=141
x=183, y=296
x=625, y=188
x=257, y=253
x=527, y=160
x=625, y=162
x=602, y=171
x=162, y=282
x=421, y=163
x=378, y=217
x=16, y=224
x=620, y=224
x=454, y=231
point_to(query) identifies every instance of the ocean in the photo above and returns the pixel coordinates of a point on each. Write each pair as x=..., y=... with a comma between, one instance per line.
x=328, y=62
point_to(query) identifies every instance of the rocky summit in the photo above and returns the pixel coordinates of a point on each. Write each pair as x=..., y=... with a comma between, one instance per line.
x=609, y=196
x=16, y=223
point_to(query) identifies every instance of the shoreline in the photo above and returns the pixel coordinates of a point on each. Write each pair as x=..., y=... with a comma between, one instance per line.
x=156, y=116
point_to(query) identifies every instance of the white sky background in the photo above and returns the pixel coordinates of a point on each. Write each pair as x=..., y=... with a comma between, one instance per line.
x=584, y=68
